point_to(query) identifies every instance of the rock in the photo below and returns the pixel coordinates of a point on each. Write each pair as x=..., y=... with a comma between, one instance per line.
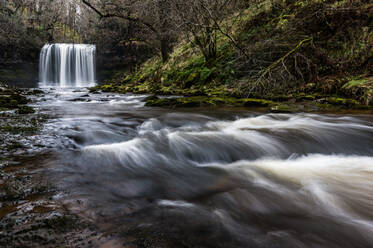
x=35, y=92
x=25, y=110
x=150, y=98
x=283, y=108
x=79, y=99
x=252, y=102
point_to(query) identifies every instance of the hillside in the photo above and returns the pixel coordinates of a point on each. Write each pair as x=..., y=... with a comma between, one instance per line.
x=276, y=50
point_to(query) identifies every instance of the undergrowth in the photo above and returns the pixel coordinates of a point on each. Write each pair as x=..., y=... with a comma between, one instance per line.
x=285, y=46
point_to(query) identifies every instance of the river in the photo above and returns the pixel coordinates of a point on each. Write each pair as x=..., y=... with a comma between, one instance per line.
x=213, y=177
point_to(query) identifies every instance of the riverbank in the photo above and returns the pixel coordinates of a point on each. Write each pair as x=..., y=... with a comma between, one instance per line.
x=279, y=51
x=290, y=103
x=31, y=214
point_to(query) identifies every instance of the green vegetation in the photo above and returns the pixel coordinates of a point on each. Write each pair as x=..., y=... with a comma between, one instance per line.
x=276, y=50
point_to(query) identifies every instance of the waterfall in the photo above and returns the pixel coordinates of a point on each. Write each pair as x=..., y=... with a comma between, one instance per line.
x=67, y=65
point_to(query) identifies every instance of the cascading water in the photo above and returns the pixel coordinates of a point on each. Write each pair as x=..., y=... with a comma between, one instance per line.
x=67, y=65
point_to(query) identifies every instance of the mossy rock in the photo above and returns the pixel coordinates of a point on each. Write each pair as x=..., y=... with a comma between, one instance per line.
x=14, y=146
x=94, y=89
x=304, y=97
x=150, y=98
x=343, y=102
x=252, y=102
x=35, y=92
x=279, y=97
x=194, y=101
x=19, y=129
x=20, y=99
x=108, y=88
x=284, y=108
x=23, y=110
x=163, y=102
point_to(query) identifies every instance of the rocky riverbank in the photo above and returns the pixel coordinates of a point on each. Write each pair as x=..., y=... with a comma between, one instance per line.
x=275, y=103
x=31, y=214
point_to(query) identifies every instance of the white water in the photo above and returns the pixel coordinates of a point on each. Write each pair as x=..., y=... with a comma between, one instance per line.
x=67, y=65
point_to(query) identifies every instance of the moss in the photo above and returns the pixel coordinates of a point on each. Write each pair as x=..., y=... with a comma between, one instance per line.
x=108, y=88
x=355, y=82
x=341, y=101
x=251, y=102
x=198, y=101
x=306, y=97
x=25, y=110
x=150, y=98
x=94, y=89
x=344, y=103
x=278, y=97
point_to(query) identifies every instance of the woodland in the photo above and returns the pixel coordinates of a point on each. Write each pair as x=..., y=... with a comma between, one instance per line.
x=240, y=48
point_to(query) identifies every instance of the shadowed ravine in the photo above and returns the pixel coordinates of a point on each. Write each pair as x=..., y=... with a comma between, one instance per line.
x=215, y=178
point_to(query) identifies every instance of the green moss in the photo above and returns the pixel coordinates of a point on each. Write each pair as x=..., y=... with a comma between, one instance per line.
x=108, y=88
x=251, y=102
x=94, y=89
x=347, y=103
x=151, y=98
x=198, y=101
x=355, y=82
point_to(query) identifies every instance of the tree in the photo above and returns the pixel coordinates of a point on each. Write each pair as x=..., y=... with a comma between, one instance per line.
x=203, y=20
x=152, y=15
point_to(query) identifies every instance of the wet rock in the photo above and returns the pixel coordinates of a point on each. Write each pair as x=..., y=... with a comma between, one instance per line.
x=252, y=102
x=284, y=108
x=79, y=99
x=150, y=98
x=25, y=110
x=35, y=92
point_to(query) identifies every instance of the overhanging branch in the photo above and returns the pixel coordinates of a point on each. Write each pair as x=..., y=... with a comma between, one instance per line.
x=126, y=17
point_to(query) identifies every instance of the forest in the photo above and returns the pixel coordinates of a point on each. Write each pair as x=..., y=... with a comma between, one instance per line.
x=238, y=48
x=186, y=123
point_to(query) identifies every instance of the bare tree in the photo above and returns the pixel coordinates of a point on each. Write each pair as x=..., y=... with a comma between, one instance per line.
x=203, y=21
x=153, y=15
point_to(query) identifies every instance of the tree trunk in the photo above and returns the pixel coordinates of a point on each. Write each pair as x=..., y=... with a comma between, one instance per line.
x=164, y=37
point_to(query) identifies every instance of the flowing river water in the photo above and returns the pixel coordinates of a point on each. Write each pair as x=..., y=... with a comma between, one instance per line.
x=213, y=177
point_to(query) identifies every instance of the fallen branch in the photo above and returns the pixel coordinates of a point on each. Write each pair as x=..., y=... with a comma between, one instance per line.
x=268, y=70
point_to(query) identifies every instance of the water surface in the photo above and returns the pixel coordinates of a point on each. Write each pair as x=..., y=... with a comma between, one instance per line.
x=215, y=177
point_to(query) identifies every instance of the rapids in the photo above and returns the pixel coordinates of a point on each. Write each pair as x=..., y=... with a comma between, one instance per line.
x=215, y=177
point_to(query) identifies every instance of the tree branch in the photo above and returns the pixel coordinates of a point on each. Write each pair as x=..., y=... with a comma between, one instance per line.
x=126, y=17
